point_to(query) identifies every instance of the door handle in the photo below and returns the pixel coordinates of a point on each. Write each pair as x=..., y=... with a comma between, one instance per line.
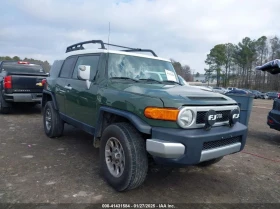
x=59, y=90
x=68, y=87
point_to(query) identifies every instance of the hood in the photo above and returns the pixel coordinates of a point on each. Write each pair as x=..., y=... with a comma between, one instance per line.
x=175, y=95
x=272, y=67
x=203, y=88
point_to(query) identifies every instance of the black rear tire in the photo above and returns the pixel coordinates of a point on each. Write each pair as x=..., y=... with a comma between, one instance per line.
x=210, y=162
x=4, y=110
x=55, y=126
x=135, y=157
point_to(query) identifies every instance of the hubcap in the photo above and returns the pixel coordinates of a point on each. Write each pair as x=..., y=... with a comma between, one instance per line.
x=48, y=119
x=114, y=156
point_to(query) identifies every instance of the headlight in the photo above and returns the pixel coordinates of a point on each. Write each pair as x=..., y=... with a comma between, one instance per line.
x=185, y=117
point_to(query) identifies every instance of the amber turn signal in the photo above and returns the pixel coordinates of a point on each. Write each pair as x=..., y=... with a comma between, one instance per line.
x=157, y=113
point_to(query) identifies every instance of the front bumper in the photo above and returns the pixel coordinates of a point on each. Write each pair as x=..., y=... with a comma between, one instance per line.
x=23, y=97
x=190, y=147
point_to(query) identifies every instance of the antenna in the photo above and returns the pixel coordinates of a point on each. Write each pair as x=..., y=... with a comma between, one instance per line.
x=109, y=35
x=107, y=61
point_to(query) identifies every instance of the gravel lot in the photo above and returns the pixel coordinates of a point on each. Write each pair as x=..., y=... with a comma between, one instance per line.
x=36, y=169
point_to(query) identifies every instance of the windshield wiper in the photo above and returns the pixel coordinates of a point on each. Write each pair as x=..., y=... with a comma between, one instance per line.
x=149, y=79
x=167, y=81
x=125, y=78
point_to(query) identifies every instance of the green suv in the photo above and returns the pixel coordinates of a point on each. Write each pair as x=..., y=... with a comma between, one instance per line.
x=137, y=111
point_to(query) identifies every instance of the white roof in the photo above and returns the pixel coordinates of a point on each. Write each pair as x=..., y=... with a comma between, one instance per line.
x=91, y=51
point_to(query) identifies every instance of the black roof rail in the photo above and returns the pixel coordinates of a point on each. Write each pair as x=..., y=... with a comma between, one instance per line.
x=129, y=49
x=141, y=50
x=79, y=46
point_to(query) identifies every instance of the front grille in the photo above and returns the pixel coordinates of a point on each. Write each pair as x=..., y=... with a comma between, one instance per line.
x=200, y=118
x=221, y=143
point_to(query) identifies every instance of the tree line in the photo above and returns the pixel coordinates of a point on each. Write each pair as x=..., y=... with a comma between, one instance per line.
x=234, y=64
x=182, y=70
x=45, y=64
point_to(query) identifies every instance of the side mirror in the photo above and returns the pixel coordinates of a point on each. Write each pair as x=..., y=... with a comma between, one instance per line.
x=180, y=81
x=84, y=72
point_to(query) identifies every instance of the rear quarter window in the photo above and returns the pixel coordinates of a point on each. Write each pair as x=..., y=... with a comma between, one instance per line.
x=55, y=68
x=67, y=67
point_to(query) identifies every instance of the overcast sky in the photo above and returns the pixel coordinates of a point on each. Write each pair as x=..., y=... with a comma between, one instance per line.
x=184, y=30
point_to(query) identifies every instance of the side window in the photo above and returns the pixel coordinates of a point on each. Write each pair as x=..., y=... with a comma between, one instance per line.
x=91, y=60
x=67, y=67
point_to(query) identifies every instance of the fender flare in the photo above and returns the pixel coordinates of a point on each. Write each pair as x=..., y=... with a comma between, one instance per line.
x=138, y=123
x=52, y=96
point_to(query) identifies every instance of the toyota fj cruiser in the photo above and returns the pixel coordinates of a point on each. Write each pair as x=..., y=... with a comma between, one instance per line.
x=273, y=118
x=136, y=109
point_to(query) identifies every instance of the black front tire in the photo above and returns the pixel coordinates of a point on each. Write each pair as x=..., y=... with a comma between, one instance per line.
x=55, y=126
x=210, y=162
x=135, y=155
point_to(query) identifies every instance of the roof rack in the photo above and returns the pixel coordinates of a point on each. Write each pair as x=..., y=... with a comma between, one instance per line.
x=79, y=46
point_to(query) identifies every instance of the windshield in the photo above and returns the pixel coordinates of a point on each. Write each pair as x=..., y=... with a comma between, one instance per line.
x=182, y=81
x=134, y=67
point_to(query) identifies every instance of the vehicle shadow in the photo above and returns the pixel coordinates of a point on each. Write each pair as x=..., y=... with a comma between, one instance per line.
x=178, y=183
x=268, y=137
x=74, y=135
x=79, y=142
x=25, y=110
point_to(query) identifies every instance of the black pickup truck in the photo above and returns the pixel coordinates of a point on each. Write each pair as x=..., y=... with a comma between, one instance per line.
x=273, y=118
x=20, y=82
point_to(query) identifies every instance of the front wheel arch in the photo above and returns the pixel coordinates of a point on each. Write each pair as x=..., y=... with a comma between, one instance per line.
x=116, y=115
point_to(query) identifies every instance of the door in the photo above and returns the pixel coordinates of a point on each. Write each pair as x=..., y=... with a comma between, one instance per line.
x=60, y=88
x=60, y=94
x=80, y=102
